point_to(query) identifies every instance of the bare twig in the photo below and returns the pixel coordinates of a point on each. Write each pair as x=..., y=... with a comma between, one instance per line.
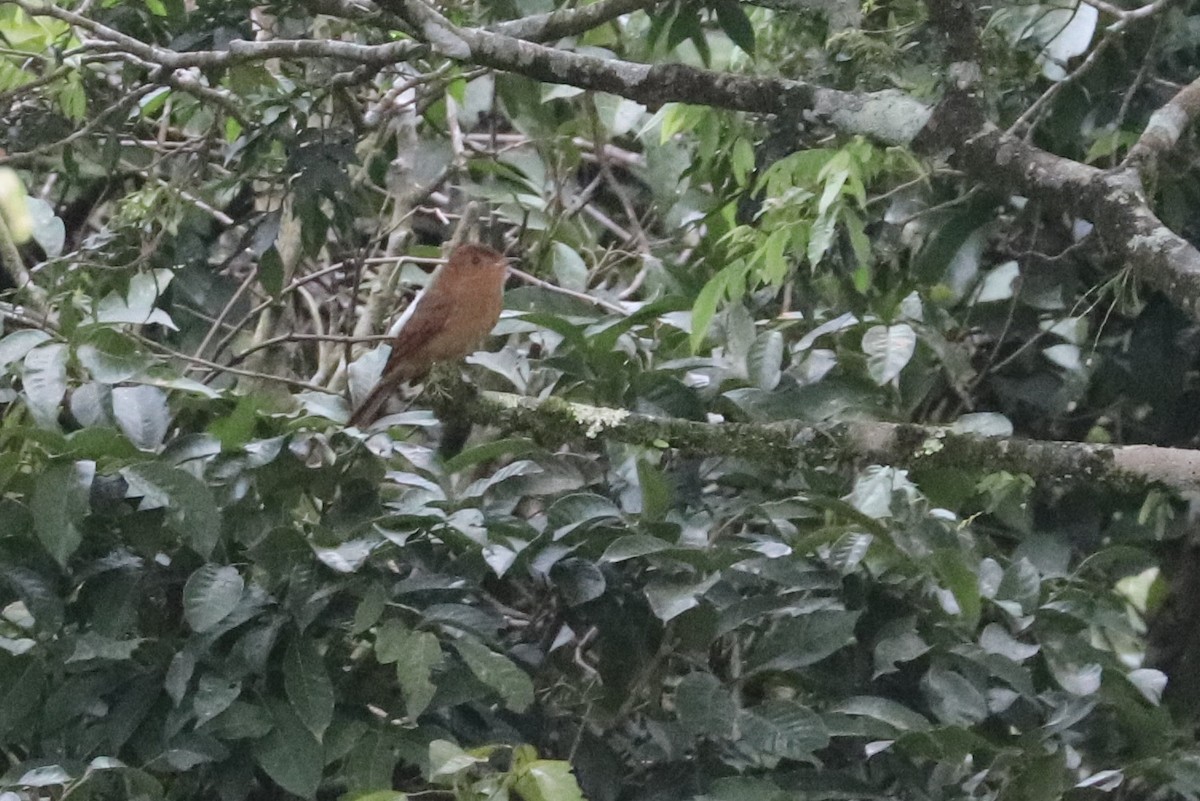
x=199, y=363
x=616, y=308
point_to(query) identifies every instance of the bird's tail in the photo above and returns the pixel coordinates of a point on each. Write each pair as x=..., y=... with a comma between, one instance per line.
x=368, y=411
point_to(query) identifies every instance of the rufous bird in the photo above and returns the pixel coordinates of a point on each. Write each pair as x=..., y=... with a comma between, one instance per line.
x=446, y=322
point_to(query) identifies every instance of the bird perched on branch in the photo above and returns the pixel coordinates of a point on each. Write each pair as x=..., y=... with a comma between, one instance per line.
x=446, y=322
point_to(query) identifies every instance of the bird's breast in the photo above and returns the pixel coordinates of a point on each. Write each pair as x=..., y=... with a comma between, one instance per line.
x=478, y=300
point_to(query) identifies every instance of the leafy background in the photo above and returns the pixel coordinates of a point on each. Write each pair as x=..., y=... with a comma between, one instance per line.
x=210, y=588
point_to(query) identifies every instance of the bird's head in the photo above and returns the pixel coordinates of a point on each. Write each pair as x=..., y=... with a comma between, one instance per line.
x=475, y=257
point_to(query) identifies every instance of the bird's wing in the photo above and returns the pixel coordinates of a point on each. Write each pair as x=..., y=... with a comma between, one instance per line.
x=430, y=312
x=427, y=318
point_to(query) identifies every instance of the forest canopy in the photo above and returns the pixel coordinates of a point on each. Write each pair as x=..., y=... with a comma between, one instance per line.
x=836, y=441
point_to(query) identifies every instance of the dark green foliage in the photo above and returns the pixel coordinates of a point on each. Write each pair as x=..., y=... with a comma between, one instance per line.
x=209, y=588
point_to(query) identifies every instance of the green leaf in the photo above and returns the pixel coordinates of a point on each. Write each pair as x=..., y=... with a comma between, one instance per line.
x=704, y=707
x=16, y=345
x=953, y=698
x=45, y=382
x=369, y=609
x=835, y=173
x=849, y=550
x=962, y=581
x=214, y=694
x=656, y=491
x=773, y=254
x=741, y=160
x=898, y=642
x=39, y=596
x=210, y=594
x=733, y=20
x=995, y=639
x=142, y=415
x=179, y=674
x=447, y=760
x=1074, y=675
x=22, y=682
x=784, y=729
x=572, y=511
x=270, y=272
x=72, y=99
x=308, y=687
x=191, y=508
x=59, y=504
x=705, y=307
x=370, y=765
x=886, y=710
x=888, y=349
x=1038, y=778
x=90, y=646
x=487, y=452
x=765, y=360
x=390, y=641
x=570, y=271
x=800, y=641
x=137, y=306
x=547, y=780
x=685, y=25
x=498, y=672
x=602, y=337
x=110, y=356
x=824, y=228
x=45, y=776
x=414, y=671
x=240, y=721
x=290, y=755
x=670, y=598
x=578, y=580
x=632, y=546
x=745, y=788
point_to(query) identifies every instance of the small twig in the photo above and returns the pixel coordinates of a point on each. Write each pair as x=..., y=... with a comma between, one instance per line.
x=126, y=103
x=1143, y=71
x=1126, y=15
x=585, y=297
x=206, y=364
x=225, y=310
x=1027, y=121
x=284, y=339
x=607, y=222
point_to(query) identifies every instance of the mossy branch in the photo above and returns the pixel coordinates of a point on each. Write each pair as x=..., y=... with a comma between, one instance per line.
x=1121, y=468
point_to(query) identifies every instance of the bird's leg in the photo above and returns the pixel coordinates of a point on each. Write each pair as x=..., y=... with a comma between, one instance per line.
x=449, y=396
x=443, y=383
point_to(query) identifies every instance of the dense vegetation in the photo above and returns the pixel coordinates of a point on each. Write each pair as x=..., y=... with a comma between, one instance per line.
x=684, y=552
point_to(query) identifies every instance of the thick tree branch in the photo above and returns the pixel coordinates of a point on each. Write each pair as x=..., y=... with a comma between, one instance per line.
x=1165, y=128
x=569, y=21
x=891, y=116
x=536, y=27
x=1126, y=468
x=1113, y=200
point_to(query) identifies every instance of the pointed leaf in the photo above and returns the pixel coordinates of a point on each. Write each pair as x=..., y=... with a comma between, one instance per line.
x=547, y=780
x=59, y=504
x=888, y=350
x=290, y=755
x=191, y=508
x=498, y=672
x=705, y=708
x=142, y=415
x=210, y=594
x=308, y=686
x=45, y=381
